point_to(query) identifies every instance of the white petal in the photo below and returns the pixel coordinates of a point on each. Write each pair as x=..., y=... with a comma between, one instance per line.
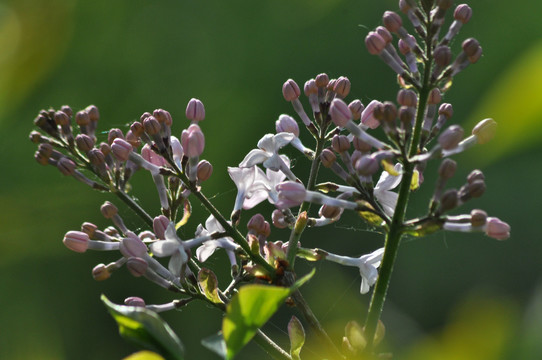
x=282, y=139
x=176, y=262
x=243, y=177
x=387, y=181
x=267, y=143
x=206, y=250
x=388, y=200
x=255, y=156
x=164, y=248
x=171, y=234
x=273, y=163
x=255, y=198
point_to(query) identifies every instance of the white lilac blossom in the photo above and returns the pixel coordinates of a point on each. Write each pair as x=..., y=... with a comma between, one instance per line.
x=382, y=191
x=208, y=247
x=367, y=265
x=267, y=153
x=176, y=248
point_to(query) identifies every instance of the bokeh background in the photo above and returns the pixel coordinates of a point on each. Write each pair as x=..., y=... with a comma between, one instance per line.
x=451, y=297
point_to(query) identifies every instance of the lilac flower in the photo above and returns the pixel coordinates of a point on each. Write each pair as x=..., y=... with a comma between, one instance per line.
x=367, y=265
x=208, y=247
x=267, y=153
x=383, y=193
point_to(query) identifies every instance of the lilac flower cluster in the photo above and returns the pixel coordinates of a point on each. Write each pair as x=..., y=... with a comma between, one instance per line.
x=346, y=141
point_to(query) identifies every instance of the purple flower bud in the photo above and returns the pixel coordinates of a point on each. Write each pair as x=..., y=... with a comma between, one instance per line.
x=76, y=241
x=463, y=13
x=340, y=143
x=66, y=110
x=193, y=141
x=137, y=128
x=134, y=301
x=205, y=170
x=290, y=90
x=257, y=224
x=475, y=175
x=121, y=149
x=278, y=219
x=340, y=113
x=151, y=125
x=451, y=137
x=366, y=165
x=497, y=229
x=195, y=111
x=321, y=80
x=163, y=116
x=132, y=246
x=407, y=97
x=66, y=166
x=82, y=118
x=148, y=154
x=342, y=86
x=470, y=46
x=384, y=33
x=478, y=217
x=61, y=118
x=361, y=145
x=290, y=194
x=367, y=116
x=447, y=169
x=375, y=43
x=159, y=225
x=328, y=158
x=100, y=272
x=356, y=107
x=137, y=266
x=286, y=123
x=109, y=210
x=84, y=142
x=310, y=87
x=443, y=56
x=392, y=21
x=114, y=134
x=446, y=110
x=449, y=200
x=89, y=229
x=434, y=96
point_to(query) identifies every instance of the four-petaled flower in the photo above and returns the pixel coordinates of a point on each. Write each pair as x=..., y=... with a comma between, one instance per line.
x=382, y=191
x=208, y=247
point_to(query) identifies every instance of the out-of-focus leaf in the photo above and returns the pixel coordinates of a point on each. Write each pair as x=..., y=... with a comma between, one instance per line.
x=187, y=211
x=296, y=333
x=250, y=309
x=145, y=328
x=515, y=102
x=144, y=355
x=216, y=344
x=209, y=285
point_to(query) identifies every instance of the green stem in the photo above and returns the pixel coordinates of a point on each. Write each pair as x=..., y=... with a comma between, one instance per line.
x=275, y=351
x=393, y=237
x=134, y=206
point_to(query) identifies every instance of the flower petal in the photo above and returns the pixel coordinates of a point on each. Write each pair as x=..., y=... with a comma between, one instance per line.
x=163, y=248
x=255, y=156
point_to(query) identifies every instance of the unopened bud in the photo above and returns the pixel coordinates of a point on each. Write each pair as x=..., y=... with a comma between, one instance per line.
x=134, y=301
x=451, y=137
x=76, y=241
x=407, y=97
x=330, y=212
x=321, y=80
x=340, y=113
x=61, y=118
x=121, y=149
x=108, y=210
x=151, y=125
x=342, y=86
x=485, y=130
x=137, y=266
x=392, y=21
x=384, y=33
x=366, y=165
x=475, y=175
x=195, y=111
x=205, y=170
x=66, y=110
x=470, y=46
x=356, y=107
x=164, y=117
x=290, y=90
x=478, y=217
x=328, y=158
x=443, y=56
x=446, y=110
x=100, y=272
x=434, y=96
x=82, y=118
x=256, y=223
x=93, y=113
x=463, y=13
x=159, y=225
x=449, y=200
x=447, y=169
x=278, y=219
x=497, y=229
x=66, y=166
x=193, y=141
x=286, y=123
x=340, y=143
x=84, y=142
x=375, y=43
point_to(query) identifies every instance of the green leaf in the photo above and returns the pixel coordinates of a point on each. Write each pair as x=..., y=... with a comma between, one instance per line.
x=515, y=102
x=216, y=344
x=144, y=355
x=145, y=328
x=250, y=309
x=296, y=333
x=209, y=285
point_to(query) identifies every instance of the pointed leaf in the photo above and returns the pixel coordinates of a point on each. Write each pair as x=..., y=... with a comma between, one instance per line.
x=216, y=344
x=250, y=309
x=296, y=333
x=209, y=285
x=145, y=328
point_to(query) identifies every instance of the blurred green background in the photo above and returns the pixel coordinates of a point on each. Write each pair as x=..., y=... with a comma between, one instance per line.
x=451, y=297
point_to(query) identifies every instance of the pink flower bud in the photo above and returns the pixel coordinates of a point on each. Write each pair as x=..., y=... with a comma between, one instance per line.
x=100, y=272
x=443, y=56
x=67, y=110
x=286, y=123
x=204, y=170
x=497, y=229
x=114, y=134
x=446, y=110
x=384, y=33
x=290, y=90
x=478, y=217
x=278, y=219
x=407, y=97
x=290, y=194
x=356, y=107
x=108, y=210
x=76, y=241
x=193, y=141
x=132, y=246
x=328, y=158
x=61, y=118
x=93, y=112
x=84, y=142
x=310, y=87
x=366, y=165
x=342, y=86
x=340, y=113
x=134, y=301
x=121, y=149
x=392, y=21
x=367, y=116
x=66, y=166
x=340, y=143
x=148, y=154
x=375, y=43
x=151, y=125
x=163, y=116
x=321, y=80
x=451, y=137
x=361, y=145
x=256, y=223
x=137, y=266
x=195, y=111
x=463, y=13
x=82, y=118
x=434, y=96
x=159, y=225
